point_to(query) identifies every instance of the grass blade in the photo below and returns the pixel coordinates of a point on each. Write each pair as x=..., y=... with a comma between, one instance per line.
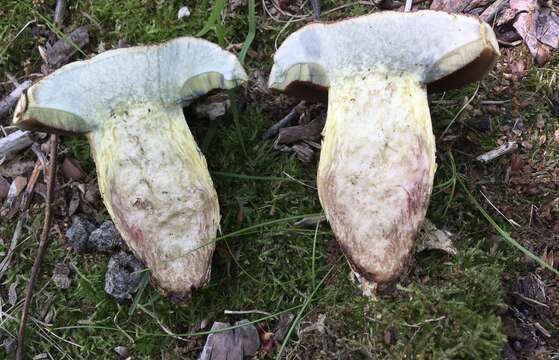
x=213, y=18
x=300, y=314
x=505, y=234
x=251, y=30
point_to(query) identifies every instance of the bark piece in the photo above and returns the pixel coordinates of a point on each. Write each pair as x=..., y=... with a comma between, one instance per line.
x=14, y=143
x=62, y=50
x=233, y=344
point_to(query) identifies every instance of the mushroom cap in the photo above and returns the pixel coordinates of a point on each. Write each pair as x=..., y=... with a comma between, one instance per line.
x=74, y=98
x=443, y=50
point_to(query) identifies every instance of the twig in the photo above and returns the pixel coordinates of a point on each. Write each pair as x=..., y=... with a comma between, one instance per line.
x=286, y=121
x=409, y=3
x=27, y=195
x=59, y=12
x=506, y=148
x=13, y=143
x=7, y=103
x=241, y=312
x=43, y=243
x=510, y=221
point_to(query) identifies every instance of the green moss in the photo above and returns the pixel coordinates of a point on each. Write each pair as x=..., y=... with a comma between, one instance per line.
x=448, y=307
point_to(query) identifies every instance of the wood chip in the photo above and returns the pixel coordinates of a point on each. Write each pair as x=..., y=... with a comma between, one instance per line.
x=16, y=167
x=293, y=134
x=62, y=50
x=488, y=14
x=285, y=121
x=14, y=143
x=233, y=344
x=506, y=148
x=7, y=103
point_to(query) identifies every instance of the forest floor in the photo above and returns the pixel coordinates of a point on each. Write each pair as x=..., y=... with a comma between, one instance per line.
x=488, y=301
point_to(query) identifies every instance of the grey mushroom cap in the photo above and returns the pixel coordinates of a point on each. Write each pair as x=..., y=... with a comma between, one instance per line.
x=443, y=50
x=71, y=99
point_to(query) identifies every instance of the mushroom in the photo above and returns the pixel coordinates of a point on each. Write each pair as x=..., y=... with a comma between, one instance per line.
x=377, y=161
x=152, y=176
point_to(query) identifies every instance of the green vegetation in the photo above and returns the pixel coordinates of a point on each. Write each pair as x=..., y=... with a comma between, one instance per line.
x=448, y=307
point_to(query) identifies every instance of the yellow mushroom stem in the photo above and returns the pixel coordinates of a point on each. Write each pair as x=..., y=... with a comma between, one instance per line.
x=376, y=170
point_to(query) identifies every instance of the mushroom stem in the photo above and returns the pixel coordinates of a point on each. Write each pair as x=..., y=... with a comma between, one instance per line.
x=376, y=169
x=157, y=188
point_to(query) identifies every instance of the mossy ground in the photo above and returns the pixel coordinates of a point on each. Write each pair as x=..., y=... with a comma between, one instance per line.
x=448, y=307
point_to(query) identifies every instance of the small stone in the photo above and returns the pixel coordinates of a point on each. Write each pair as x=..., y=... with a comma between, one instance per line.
x=72, y=170
x=123, y=276
x=78, y=233
x=61, y=276
x=212, y=108
x=122, y=351
x=183, y=12
x=105, y=239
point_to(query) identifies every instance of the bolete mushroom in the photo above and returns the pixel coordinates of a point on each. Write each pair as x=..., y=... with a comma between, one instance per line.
x=152, y=176
x=377, y=161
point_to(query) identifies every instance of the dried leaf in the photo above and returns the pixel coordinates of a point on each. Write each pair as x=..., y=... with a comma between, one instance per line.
x=12, y=294
x=547, y=28
x=449, y=5
x=72, y=170
x=231, y=344
x=74, y=203
x=518, y=69
x=459, y=6
x=16, y=188
x=539, y=28
x=506, y=16
x=431, y=238
x=521, y=5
